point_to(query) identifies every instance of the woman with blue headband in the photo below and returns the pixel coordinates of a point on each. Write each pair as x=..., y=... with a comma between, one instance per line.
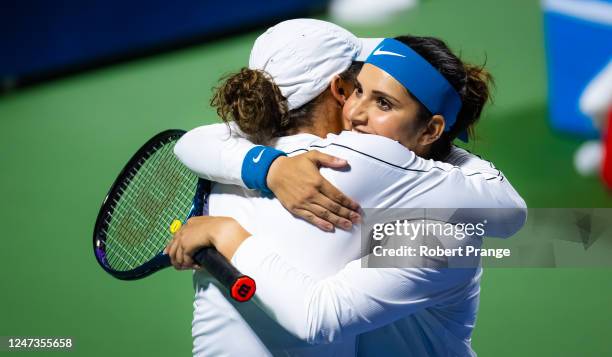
x=400, y=95
x=433, y=306
x=442, y=100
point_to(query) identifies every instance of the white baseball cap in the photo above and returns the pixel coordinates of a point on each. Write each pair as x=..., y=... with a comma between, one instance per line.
x=303, y=55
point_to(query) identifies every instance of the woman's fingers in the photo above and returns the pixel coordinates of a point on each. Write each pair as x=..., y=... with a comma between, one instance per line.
x=346, y=207
x=334, y=213
x=322, y=217
x=187, y=262
x=352, y=208
x=171, y=250
x=338, y=203
x=326, y=160
x=299, y=186
x=182, y=246
x=179, y=257
x=317, y=201
x=311, y=218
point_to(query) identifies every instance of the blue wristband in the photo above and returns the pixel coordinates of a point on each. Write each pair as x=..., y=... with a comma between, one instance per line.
x=255, y=167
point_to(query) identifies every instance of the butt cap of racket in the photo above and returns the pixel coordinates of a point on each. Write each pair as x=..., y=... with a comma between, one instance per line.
x=243, y=289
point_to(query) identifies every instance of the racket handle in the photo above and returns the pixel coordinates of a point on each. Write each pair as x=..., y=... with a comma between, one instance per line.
x=241, y=287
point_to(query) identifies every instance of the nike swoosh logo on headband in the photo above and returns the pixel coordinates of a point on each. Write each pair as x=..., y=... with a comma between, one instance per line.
x=256, y=159
x=380, y=52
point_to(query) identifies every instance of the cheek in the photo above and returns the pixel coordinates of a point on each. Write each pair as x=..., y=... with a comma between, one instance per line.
x=387, y=124
x=346, y=113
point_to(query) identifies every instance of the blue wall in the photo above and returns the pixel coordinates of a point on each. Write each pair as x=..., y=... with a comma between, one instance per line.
x=39, y=36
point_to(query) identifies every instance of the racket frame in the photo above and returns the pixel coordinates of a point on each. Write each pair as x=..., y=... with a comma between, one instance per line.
x=161, y=260
x=241, y=287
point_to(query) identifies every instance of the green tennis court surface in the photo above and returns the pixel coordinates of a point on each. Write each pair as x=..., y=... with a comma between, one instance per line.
x=65, y=141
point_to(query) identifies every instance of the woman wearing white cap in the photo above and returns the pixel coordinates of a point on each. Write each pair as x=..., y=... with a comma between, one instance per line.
x=432, y=311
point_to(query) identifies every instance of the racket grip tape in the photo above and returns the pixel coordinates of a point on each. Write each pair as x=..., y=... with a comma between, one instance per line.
x=241, y=287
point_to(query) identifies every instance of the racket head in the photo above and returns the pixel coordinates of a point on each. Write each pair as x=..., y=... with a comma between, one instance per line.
x=151, y=191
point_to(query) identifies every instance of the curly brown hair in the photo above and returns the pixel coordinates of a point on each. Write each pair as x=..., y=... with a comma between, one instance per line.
x=255, y=103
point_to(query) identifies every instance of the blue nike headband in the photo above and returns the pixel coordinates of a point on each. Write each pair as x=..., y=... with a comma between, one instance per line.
x=420, y=78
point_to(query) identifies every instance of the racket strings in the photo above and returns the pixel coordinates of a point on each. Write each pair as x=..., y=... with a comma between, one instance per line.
x=128, y=223
x=159, y=190
x=122, y=226
x=159, y=203
x=135, y=222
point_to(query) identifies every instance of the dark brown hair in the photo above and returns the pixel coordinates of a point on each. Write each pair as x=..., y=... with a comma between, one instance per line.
x=471, y=82
x=255, y=103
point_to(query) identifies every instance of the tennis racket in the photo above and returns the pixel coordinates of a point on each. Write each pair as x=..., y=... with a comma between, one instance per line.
x=151, y=198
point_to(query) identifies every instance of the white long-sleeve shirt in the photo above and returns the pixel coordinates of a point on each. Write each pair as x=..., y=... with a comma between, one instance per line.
x=382, y=174
x=436, y=306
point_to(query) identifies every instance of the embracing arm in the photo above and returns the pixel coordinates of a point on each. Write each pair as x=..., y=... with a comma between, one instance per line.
x=213, y=153
x=348, y=303
x=216, y=153
x=384, y=174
